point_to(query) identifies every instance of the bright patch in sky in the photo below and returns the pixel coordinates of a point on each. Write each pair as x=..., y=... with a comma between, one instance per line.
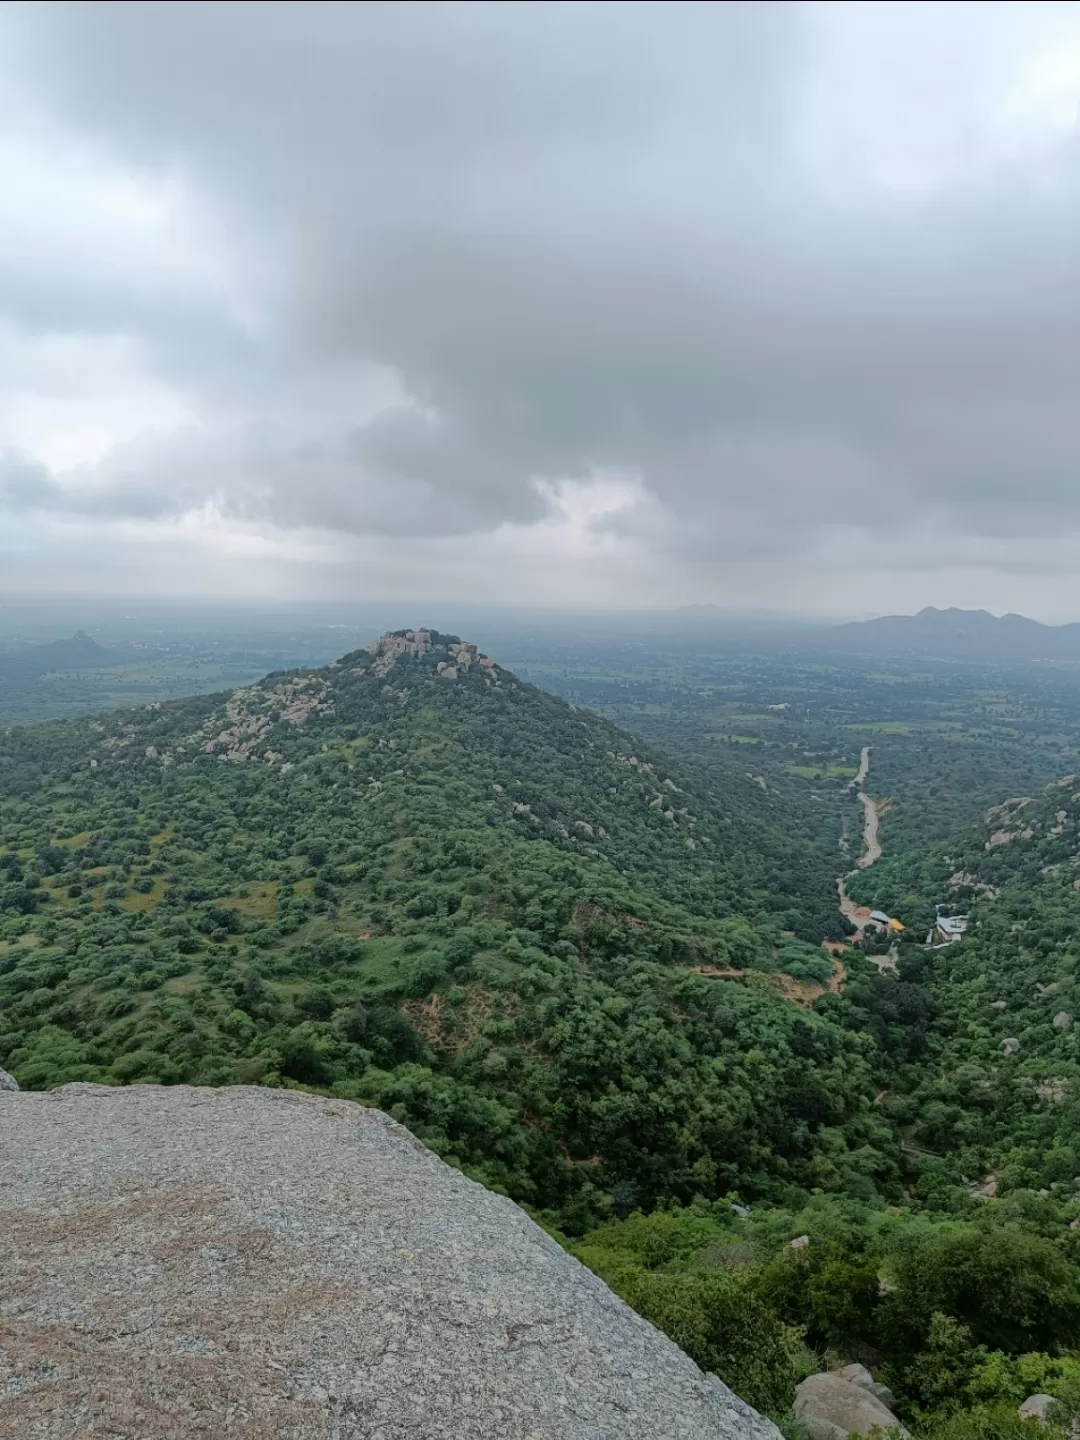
x=1045, y=104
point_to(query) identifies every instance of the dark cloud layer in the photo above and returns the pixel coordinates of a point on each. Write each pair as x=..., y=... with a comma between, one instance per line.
x=774, y=269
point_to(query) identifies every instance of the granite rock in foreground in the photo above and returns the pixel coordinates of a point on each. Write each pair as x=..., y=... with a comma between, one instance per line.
x=264, y=1264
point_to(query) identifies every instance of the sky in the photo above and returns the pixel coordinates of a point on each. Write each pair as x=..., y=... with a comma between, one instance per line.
x=594, y=306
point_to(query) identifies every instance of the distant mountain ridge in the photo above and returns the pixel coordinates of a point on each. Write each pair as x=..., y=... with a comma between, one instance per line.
x=971, y=634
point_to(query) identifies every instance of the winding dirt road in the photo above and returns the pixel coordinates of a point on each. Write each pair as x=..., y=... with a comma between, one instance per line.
x=856, y=781
x=871, y=821
x=858, y=915
x=872, y=811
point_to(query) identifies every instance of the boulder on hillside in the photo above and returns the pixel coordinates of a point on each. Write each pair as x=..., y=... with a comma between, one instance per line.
x=269, y=1264
x=831, y=1407
x=8, y=1082
x=1036, y=1407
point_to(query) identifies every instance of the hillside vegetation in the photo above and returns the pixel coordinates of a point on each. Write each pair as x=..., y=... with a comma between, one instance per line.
x=569, y=964
x=999, y=1091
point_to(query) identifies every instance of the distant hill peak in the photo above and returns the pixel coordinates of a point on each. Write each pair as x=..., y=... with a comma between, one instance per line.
x=955, y=614
x=80, y=639
x=933, y=610
x=80, y=651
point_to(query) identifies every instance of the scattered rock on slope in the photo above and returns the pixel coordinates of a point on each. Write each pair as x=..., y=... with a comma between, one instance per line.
x=8, y=1082
x=264, y=1263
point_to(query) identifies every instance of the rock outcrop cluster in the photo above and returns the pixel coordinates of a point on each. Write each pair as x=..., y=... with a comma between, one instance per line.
x=459, y=654
x=394, y=644
x=267, y=1264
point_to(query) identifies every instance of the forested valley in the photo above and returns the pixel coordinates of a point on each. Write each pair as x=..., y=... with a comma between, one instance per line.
x=596, y=960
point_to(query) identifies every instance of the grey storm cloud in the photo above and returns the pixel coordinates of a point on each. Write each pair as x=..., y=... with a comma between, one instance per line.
x=528, y=242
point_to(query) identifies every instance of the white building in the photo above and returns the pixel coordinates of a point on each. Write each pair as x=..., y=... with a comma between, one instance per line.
x=949, y=928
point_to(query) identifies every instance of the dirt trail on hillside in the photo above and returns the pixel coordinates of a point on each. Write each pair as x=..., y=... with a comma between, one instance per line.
x=805, y=992
x=857, y=914
x=801, y=992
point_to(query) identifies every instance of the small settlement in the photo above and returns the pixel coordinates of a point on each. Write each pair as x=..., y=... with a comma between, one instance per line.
x=947, y=929
x=886, y=922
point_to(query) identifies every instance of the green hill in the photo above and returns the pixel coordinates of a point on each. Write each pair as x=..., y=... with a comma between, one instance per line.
x=411, y=879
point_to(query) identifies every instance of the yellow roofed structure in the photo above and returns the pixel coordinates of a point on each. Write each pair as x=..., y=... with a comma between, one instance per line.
x=895, y=925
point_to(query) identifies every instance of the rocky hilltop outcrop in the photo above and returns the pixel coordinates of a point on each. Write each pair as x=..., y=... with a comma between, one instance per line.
x=451, y=654
x=257, y=1263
